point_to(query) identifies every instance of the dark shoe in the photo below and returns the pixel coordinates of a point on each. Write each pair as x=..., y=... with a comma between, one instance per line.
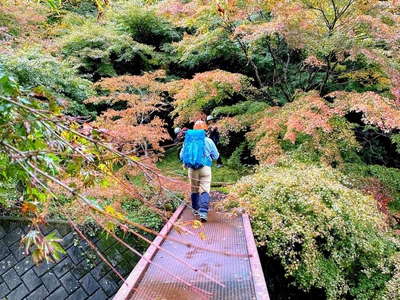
x=219, y=166
x=203, y=216
x=195, y=212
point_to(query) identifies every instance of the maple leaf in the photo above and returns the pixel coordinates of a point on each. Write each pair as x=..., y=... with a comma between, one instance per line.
x=28, y=207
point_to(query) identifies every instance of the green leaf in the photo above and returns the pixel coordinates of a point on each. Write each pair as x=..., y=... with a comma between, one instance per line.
x=8, y=86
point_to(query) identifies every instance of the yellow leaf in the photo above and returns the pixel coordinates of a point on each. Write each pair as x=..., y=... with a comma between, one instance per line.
x=134, y=158
x=103, y=167
x=196, y=224
x=109, y=209
x=202, y=235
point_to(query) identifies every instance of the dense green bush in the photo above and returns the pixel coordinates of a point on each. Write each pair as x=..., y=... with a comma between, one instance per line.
x=33, y=68
x=99, y=51
x=144, y=26
x=326, y=234
x=389, y=177
x=81, y=7
x=209, y=51
x=241, y=159
x=234, y=160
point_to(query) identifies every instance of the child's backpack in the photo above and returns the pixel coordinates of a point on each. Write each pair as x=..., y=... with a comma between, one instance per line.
x=194, y=149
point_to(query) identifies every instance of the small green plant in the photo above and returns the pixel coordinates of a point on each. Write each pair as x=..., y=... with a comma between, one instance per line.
x=81, y=7
x=42, y=248
x=137, y=212
x=54, y=5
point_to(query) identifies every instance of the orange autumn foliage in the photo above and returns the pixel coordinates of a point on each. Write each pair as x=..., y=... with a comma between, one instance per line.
x=376, y=110
x=135, y=129
x=313, y=116
x=204, y=90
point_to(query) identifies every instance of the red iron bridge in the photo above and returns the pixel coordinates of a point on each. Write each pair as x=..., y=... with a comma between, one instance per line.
x=219, y=260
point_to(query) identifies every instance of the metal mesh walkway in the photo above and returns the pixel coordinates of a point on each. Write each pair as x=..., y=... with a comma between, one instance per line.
x=242, y=277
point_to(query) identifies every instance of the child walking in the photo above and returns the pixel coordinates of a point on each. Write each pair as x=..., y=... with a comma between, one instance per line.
x=197, y=154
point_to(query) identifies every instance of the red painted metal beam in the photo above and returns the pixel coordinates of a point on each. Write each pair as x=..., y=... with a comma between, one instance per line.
x=231, y=234
x=256, y=268
x=136, y=275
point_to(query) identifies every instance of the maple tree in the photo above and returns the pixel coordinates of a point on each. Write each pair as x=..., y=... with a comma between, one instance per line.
x=204, y=92
x=305, y=43
x=136, y=129
x=323, y=121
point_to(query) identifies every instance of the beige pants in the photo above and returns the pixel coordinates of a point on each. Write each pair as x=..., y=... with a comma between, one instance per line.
x=200, y=180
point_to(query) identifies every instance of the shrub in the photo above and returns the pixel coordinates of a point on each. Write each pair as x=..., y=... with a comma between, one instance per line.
x=81, y=7
x=210, y=50
x=139, y=213
x=325, y=234
x=33, y=68
x=144, y=26
x=241, y=159
x=10, y=22
x=389, y=177
x=102, y=51
x=234, y=160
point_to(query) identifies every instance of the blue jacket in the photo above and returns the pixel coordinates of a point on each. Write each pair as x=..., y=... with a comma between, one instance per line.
x=211, y=151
